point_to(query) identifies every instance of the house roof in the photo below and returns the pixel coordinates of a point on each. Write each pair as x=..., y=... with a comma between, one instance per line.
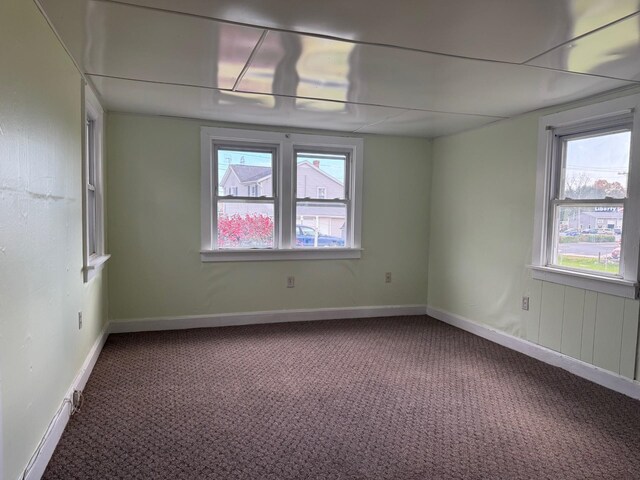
x=250, y=173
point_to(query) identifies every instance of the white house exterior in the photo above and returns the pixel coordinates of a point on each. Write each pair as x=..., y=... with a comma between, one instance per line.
x=312, y=183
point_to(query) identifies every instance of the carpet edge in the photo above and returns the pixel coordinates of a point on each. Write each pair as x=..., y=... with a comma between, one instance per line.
x=605, y=378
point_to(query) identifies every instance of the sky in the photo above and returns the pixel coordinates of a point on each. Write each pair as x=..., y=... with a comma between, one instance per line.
x=601, y=157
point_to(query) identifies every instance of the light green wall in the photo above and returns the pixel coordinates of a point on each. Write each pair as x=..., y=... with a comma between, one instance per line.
x=154, y=232
x=41, y=285
x=479, y=210
x=482, y=208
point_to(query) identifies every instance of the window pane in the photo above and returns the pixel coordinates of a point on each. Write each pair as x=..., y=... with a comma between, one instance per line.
x=589, y=238
x=91, y=160
x=245, y=225
x=320, y=175
x=245, y=173
x=596, y=167
x=321, y=225
x=91, y=221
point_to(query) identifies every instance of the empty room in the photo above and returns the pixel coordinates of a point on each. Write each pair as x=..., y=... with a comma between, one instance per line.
x=263, y=239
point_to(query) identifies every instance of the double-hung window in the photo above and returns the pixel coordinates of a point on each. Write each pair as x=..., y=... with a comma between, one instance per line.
x=91, y=184
x=588, y=211
x=93, y=200
x=244, y=221
x=322, y=196
x=274, y=196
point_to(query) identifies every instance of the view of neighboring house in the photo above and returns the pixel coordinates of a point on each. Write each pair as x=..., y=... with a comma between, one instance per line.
x=247, y=181
x=312, y=183
x=607, y=218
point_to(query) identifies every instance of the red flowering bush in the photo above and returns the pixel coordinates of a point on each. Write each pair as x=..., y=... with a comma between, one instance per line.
x=249, y=230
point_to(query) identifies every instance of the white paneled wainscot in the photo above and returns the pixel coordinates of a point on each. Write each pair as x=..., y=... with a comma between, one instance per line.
x=596, y=328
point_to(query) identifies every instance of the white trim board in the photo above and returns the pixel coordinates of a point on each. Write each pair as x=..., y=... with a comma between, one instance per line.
x=1, y=434
x=51, y=437
x=252, y=318
x=582, y=369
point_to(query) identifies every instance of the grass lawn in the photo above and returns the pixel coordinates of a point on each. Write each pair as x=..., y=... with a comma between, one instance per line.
x=588, y=263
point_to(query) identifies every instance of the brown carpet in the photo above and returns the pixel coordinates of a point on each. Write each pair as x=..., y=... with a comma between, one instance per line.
x=386, y=398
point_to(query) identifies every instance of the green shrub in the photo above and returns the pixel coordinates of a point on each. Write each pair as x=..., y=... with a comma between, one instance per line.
x=597, y=238
x=589, y=237
x=569, y=239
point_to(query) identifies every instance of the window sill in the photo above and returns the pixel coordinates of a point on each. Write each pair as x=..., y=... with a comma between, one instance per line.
x=96, y=264
x=269, y=255
x=609, y=285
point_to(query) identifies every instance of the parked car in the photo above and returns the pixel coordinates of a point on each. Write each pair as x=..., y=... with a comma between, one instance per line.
x=305, y=237
x=590, y=230
x=617, y=231
x=572, y=232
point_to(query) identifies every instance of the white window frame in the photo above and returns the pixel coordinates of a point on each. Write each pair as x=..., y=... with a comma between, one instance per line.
x=252, y=193
x=284, y=191
x=93, y=151
x=592, y=117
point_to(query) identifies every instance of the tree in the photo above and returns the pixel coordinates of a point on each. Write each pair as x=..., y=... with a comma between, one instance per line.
x=578, y=186
x=582, y=186
x=610, y=189
x=249, y=230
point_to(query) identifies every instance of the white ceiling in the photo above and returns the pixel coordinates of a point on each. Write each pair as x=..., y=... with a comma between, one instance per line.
x=420, y=68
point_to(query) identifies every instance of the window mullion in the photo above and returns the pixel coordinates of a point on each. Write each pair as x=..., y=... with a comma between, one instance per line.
x=238, y=199
x=286, y=195
x=589, y=201
x=344, y=201
x=213, y=173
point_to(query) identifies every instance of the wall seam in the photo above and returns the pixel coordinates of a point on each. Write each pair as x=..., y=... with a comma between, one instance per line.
x=584, y=302
x=429, y=211
x=637, y=356
x=624, y=311
x=59, y=38
x=595, y=324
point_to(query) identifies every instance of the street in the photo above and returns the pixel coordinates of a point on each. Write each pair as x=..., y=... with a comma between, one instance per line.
x=587, y=248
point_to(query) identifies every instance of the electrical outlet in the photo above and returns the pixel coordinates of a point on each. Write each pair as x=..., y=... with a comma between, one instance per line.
x=79, y=320
x=291, y=281
x=387, y=277
x=525, y=303
x=76, y=398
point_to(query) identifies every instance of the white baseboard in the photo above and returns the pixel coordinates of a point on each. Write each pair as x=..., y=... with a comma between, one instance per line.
x=1, y=437
x=273, y=316
x=39, y=461
x=595, y=374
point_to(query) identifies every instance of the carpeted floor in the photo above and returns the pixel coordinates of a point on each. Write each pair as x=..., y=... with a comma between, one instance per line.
x=386, y=398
